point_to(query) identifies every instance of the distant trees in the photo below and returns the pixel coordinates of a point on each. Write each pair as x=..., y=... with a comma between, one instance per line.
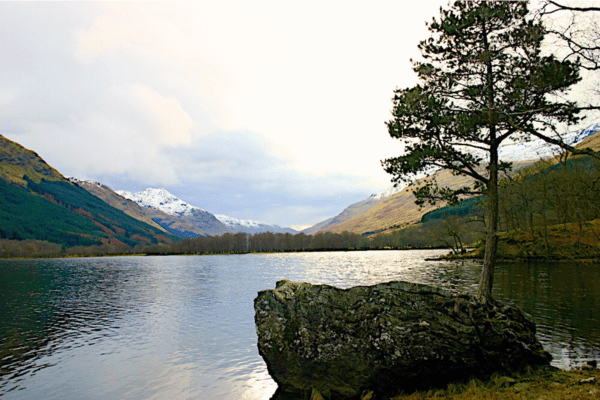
x=538, y=197
x=269, y=242
x=29, y=248
x=483, y=81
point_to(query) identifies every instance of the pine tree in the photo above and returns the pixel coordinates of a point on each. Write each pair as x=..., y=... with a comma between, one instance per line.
x=483, y=81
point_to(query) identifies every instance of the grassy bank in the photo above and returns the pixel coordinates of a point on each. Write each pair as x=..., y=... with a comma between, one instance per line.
x=542, y=384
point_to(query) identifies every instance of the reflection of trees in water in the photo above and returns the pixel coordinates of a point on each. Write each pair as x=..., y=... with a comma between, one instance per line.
x=45, y=304
x=562, y=298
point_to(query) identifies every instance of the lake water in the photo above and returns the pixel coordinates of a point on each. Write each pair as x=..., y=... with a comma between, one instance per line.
x=183, y=327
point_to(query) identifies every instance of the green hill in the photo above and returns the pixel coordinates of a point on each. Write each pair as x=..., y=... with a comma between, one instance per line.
x=38, y=203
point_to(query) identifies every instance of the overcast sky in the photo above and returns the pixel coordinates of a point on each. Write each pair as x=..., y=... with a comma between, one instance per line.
x=265, y=110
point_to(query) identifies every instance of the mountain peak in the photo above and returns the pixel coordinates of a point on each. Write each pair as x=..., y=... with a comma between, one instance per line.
x=161, y=199
x=250, y=226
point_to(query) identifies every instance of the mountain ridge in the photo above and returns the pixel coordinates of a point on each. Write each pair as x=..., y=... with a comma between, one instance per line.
x=251, y=226
x=161, y=199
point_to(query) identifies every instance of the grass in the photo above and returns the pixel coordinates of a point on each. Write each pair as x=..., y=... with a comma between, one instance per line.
x=541, y=384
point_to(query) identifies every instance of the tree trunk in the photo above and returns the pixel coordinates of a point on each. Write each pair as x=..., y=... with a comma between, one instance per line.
x=484, y=293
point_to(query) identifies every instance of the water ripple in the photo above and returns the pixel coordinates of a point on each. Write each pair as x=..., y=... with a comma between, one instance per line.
x=183, y=327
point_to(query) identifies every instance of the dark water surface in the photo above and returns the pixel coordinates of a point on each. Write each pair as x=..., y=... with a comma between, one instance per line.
x=183, y=327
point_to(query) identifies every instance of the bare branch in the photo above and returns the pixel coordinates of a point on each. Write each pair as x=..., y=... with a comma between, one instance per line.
x=571, y=8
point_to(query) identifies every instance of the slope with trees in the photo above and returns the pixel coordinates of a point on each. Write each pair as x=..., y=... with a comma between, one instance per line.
x=40, y=205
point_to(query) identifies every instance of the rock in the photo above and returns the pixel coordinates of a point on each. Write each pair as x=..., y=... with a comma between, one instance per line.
x=386, y=338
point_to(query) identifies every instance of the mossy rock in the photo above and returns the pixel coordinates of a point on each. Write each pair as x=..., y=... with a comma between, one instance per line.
x=385, y=338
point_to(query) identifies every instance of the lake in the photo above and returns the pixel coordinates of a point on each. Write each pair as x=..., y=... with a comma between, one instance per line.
x=183, y=327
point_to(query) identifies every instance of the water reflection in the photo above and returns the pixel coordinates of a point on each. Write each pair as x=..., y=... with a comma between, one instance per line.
x=168, y=327
x=563, y=299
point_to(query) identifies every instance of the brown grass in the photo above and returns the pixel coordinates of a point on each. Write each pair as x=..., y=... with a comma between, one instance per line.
x=536, y=385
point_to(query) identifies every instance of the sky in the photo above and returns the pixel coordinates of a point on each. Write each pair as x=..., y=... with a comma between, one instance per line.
x=267, y=110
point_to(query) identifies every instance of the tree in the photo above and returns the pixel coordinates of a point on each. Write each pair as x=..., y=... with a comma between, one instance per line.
x=483, y=81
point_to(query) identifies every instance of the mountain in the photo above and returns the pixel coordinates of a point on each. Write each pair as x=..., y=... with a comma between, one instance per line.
x=189, y=220
x=152, y=216
x=161, y=199
x=252, y=227
x=39, y=203
x=395, y=207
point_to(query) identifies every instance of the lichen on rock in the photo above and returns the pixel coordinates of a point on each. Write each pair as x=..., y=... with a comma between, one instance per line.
x=380, y=339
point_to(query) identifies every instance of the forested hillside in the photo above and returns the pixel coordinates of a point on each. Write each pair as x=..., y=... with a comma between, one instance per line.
x=550, y=209
x=38, y=203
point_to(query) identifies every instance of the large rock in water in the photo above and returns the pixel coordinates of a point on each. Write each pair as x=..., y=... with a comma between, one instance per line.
x=344, y=343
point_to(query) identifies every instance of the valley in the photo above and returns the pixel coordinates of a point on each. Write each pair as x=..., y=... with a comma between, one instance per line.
x=46, y=214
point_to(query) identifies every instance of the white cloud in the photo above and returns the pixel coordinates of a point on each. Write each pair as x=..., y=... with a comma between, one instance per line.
x=7, y=96
x=173, y=122
x=252, y=99
x=314, y=78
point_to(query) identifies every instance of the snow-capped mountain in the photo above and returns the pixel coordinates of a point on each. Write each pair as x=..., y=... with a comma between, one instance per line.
x=251, y=227
x=160, y=199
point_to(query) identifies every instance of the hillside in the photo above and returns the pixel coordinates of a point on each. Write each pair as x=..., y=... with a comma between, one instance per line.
x=38, y=203
x=17, y=161
x=397, y=210
x=378, y=213
x=350, y=212
x=154, y=217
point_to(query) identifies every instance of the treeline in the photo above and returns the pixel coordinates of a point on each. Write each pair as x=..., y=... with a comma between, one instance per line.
x=224, y=244
x=262, y=242
x=29, y=248
x=552, y=211
x=454, y=232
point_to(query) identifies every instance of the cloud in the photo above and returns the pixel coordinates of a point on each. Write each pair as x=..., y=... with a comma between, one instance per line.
x=261, y=109
x=172, y=123
x=124, y=131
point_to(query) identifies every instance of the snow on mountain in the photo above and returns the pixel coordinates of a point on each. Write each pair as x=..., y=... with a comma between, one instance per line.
x=170, y=204
x=160, y=199
x=251, y=227
x=539, y=149
x=80, y=182
x=514, y=152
